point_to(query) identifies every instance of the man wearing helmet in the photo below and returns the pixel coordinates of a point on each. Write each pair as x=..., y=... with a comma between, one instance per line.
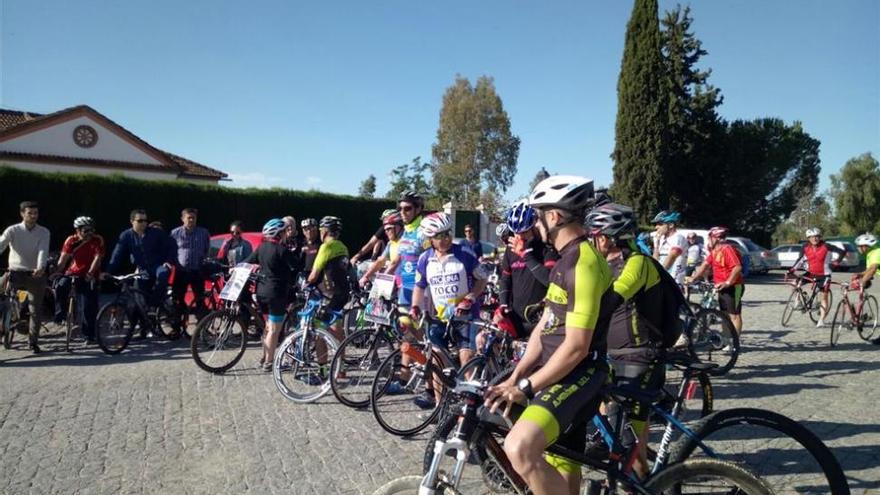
x=562, y=371
x=818, y=257
x=278, y=267
x=412, y=244
x=330, y=273
x=525, y=269
x=28, y=244
x=867, y=246
x=311, y=244
x=724, y=259
x=84, y=250
x=670, y=245
x=380, y=238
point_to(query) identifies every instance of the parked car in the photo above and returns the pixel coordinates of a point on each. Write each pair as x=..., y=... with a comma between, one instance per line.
x=255, y=238
x=787, y=254
x=762, y=260
x=850, y=260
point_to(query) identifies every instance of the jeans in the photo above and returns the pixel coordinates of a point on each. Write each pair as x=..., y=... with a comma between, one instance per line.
x=87, y=299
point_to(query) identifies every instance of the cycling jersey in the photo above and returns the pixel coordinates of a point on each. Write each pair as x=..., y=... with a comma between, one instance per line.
x=411, y=245
x=309, y=252
x=524, y=278
x=331, y=263
x=674, y=244
x=818, y=258
x=694, y=255
x=449, y=278
x=637, y=282
x=277, y=269
x=391, y=252
x=82, y=253
x=580, y=282
x=872, y=257
x=723, y=259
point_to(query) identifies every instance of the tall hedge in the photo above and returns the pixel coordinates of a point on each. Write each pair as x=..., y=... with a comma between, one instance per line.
x=109, y=200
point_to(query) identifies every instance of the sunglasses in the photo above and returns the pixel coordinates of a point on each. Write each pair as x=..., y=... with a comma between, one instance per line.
x=140, y=220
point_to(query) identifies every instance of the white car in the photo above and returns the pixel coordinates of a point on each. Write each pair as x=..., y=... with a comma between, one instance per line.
x=850, y=260
x=787, y=254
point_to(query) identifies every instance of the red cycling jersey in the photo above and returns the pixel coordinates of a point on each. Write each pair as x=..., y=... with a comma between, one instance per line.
x=818, y=258
x=723, y=259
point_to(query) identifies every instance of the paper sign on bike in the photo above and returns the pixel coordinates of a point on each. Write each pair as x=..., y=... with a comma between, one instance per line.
x=383, y=286
x=237, y=281
x=378, y=310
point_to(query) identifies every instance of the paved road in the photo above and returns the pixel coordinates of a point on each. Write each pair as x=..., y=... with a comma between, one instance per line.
x=149, y=421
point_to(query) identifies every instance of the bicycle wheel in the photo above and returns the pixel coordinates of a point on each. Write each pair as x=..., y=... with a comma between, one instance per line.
x=400, y=400
x=298, y=372
x=713, y=339
x=841, y=320
x=795, y=303
x=698, y=399
x=815, y=310
x=219, y=341
x=868, y=326
x=783, y=452
x=408, y=485
x=114, y=328
x=358, y=359
x=706, y=476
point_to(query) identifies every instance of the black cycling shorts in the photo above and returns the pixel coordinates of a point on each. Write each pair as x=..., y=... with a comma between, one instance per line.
x=730, y=299
x=276, y=306
x=653, y=377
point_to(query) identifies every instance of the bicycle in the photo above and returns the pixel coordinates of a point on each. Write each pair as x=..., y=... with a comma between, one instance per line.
x=75, y=311
x=478, y=430
x=862, y=316
x=800, y=301
x=711, y=336
x=117, y=319
x=12, y=303
x=302, y=360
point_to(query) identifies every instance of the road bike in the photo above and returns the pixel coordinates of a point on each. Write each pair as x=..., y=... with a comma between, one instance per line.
x=860, y=316
x=75, y=311
x=803, y=300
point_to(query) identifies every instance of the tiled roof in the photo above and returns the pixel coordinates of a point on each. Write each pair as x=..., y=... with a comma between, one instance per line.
x=13, y=121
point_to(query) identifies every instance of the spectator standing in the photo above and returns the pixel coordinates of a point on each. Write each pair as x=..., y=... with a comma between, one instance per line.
x=193, y=243
x=471, y=241
x=28, y=244
x=236, y=249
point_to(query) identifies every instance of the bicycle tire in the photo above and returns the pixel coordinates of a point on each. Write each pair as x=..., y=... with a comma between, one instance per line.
x=838, y=322
x=700, y=404
x=406, y=485
x=869, y=332
x=366, y=366
x=728, y=420
x=794, y=300
x=708, y=344
x=670, y=479
x=207, y=353
x=113, y=328
x=815, y=309
x=292, y=363
x=385, y=417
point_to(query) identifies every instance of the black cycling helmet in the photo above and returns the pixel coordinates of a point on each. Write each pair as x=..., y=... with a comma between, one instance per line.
x=332, y=224
x=412, y=197
x=612, y=219
x=602, y=197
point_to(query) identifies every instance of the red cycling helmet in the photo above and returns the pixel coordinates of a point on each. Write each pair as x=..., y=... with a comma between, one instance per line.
x=718, y=232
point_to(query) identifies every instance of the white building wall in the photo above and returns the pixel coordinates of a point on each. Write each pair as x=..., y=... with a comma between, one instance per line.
x=58, y=140
x=78, y=169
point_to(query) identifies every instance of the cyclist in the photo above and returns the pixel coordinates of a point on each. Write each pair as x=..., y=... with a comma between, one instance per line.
x=380, y=237
x=724, y=259
x=310, y=245
x=412, y=244
x=564, y=366
x=694, y=256
x=631, y=346
x=669, y=245
x=28, y=244
x=277, y=270
x=817, y=255
x=236, y=249
x=84, y=251
x=525, y=268
x=452, y=274
x=388, y=261
x=867, y=245
x=330, y=273
x=151, y=251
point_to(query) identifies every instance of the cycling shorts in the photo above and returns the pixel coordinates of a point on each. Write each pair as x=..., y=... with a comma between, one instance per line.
x=274, y=308
x=337, y=302
x=642, y=377
x=730, y=299
x=823, y=282
x=564, y=409
x=464, y=335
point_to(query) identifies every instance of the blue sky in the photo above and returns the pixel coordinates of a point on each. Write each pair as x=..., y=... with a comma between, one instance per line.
x=320, y=94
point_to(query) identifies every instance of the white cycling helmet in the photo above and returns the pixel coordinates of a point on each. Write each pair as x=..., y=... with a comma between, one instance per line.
x=814, y=232
x=273, y=228
x=866, y=239
x=81, y=222
x=435, y=223
x=566, y=192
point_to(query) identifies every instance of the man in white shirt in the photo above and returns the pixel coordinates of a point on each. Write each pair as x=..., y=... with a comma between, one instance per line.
x=670, y=247
x=28, y=245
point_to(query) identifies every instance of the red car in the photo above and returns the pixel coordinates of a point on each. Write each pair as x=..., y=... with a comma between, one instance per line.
x=255, y=238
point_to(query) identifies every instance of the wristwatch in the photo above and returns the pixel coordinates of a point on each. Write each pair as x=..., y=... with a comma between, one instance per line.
x=525, y=386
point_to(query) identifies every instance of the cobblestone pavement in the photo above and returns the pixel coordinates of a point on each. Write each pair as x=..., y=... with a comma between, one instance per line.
x=149, y=421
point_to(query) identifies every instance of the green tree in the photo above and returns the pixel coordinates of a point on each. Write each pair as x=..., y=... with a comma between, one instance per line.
x=368, y=187
x=694, y=129
x=640, y=131
x=412, y=176
x=475, y=151
x=856, y=193
x=811, y=211
x=541, y=175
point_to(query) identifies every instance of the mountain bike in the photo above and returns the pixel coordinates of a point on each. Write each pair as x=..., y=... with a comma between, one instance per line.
x=804, y=301
x=711, y=336
x=12, y=303
x=130, y=309
x=861, y=316
x=75, y=311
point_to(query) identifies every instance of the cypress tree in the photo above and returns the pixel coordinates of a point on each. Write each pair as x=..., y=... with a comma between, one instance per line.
x=640, y=140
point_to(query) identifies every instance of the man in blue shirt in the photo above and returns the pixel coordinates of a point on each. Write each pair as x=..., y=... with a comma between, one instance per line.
x=150, y=250
x=192, y=243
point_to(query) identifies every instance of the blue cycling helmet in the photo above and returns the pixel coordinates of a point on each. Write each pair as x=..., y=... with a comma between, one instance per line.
x=273, y=227
x=666, y=217
x=521, y=217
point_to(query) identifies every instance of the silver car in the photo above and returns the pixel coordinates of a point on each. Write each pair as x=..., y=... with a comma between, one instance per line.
x=762, y=260
x=850, y=260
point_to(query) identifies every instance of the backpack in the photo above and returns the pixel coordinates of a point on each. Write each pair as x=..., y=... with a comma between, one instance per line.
x=746, y=262
x=672, y=300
